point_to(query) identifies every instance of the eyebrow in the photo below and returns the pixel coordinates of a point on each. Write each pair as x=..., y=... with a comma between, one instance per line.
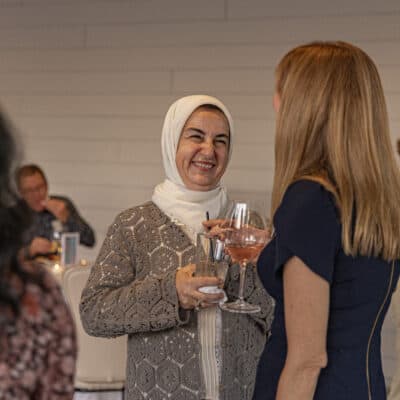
x=194, y=129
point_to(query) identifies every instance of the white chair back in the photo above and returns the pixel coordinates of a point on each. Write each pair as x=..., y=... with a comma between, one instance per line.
x=101, y=363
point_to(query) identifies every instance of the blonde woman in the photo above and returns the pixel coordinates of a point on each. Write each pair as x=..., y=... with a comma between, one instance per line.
x=333, y=264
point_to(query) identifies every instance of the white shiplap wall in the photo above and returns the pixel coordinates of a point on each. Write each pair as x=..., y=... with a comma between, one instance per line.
x=87, y=83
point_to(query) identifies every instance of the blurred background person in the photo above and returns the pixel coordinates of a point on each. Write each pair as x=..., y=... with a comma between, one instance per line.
x=37, y=339
x=33, y=189
x=333, y=263
x=142, y=283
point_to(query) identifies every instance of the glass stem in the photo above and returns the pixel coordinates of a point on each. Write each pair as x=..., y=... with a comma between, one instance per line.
x=241, y=280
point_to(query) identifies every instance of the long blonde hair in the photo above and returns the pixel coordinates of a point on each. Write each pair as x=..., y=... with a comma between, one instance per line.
x=332, y=126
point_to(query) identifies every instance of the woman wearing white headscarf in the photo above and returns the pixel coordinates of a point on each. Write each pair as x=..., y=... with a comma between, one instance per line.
x=142, y=283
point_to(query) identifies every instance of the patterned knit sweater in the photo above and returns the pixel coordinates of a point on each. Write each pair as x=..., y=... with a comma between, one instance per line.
x=131, y=290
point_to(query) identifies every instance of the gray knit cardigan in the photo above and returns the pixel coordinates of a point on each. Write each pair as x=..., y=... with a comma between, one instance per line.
x=131, y=290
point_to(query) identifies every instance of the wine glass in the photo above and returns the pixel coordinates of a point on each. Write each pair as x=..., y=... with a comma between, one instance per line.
x=245, y=236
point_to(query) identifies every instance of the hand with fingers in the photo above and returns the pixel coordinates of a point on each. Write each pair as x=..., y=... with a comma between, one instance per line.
x=187, y=288
x=58, y=208
x=219, y=227
x=211, y=224
x=216, y=227
x=40, y=245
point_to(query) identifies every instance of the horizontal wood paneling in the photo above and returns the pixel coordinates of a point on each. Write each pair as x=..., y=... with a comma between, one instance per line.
x=87, y=84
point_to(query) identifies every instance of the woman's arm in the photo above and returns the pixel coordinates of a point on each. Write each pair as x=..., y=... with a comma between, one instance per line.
x=116, y=302
x=306, y=302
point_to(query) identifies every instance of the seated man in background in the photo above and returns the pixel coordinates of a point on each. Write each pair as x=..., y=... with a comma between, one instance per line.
x=33, y=189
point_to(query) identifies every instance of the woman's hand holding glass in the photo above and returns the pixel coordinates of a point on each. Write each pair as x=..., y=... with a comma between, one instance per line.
x=188, y=285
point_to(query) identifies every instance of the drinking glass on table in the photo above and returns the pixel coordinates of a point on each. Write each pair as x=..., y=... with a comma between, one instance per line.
x=245, y=234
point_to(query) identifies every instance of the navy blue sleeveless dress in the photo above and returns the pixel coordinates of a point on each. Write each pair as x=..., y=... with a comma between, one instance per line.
x=307, y=226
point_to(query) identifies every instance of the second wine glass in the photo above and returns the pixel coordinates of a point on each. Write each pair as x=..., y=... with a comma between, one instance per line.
x=245, y=236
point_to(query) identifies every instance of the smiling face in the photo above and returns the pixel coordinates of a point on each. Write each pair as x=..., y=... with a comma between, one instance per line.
x=203, y=148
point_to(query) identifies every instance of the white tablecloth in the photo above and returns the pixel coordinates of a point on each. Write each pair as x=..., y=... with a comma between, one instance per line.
x=98, y=395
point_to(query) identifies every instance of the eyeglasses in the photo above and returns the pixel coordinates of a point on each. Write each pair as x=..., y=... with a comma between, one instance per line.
x=29, y=191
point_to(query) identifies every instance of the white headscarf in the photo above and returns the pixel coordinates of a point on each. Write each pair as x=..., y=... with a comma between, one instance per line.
x=187, y=206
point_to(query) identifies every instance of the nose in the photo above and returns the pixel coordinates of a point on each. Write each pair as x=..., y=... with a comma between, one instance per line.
x=208, y=147
x=37, y=197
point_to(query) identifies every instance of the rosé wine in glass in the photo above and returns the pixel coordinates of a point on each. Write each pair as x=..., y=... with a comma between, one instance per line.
x=244, y=252
x=245, y=236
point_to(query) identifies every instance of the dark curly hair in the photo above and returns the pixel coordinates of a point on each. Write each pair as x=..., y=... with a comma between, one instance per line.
x=13, y=220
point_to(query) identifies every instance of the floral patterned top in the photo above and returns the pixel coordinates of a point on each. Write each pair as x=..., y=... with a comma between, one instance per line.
x=38, y=348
